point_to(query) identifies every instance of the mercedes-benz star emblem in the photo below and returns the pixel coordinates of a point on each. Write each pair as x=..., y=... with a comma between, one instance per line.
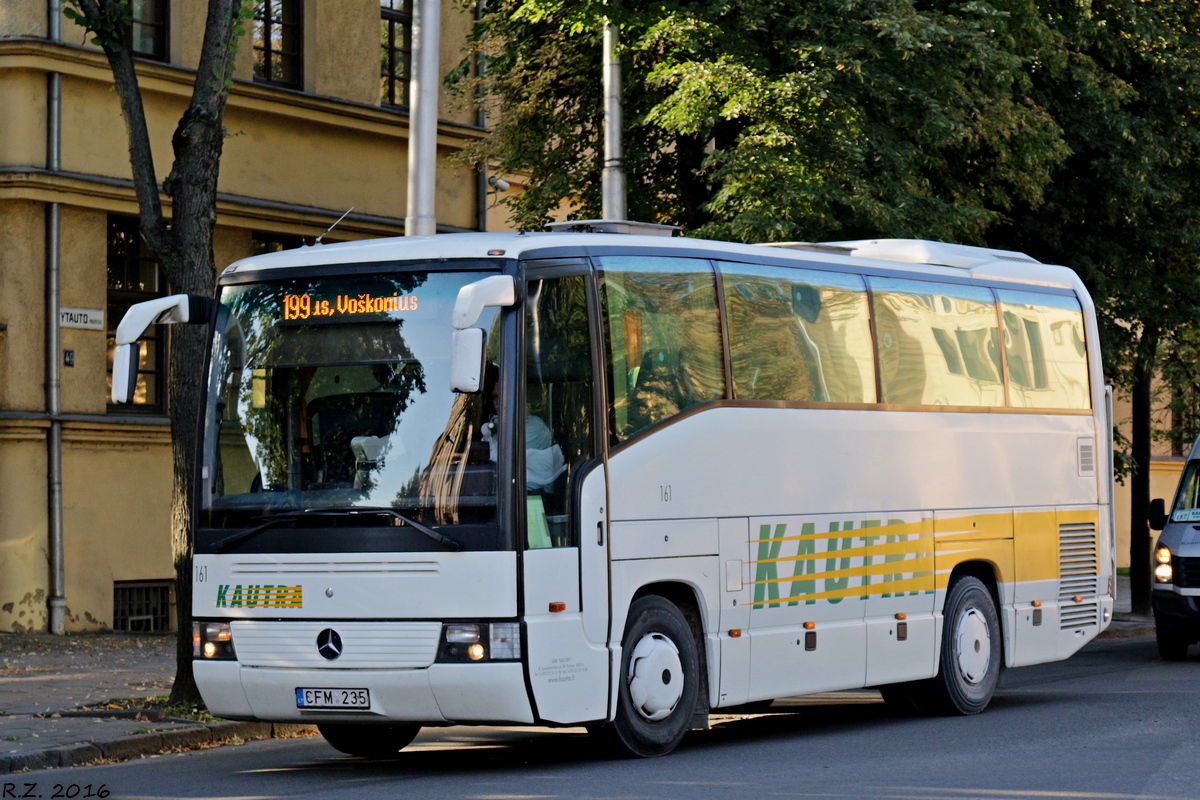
x=329, y=644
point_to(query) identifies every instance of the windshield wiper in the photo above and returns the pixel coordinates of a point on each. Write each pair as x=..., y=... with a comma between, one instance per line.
x=222, y=545
x=229, y=541
x=440, y=538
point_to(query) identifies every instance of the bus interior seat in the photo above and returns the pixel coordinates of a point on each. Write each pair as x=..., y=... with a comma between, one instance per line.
x=336, y=419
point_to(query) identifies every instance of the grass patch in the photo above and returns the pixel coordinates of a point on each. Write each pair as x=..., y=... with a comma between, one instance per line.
x=161, y=703
x=1122, y=570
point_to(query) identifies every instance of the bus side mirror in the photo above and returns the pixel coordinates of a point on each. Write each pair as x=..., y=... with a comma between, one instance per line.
x=467, y=349
x=498, y=290
x=189, y=308
x=1157, y=514
x=125, y=370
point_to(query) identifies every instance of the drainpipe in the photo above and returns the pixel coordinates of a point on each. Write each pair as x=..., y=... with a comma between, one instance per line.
x=481, y=172
x=58, y=600
x=423, y=118
x=612, y=177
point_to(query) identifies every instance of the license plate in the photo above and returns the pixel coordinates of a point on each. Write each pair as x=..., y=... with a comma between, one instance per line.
x=333, y=698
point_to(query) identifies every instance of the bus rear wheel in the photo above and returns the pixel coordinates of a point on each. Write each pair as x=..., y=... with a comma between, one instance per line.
x=369, y=741
x=969, y=665
x=660, y=678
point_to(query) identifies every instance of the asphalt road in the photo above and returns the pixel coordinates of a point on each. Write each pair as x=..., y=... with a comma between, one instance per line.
x=1112, y=722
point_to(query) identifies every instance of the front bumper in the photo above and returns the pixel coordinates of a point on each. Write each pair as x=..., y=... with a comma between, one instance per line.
x=438, y=694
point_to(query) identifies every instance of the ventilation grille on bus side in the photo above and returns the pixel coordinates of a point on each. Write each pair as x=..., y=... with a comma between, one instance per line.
x=1078, y=575
x=1086, y=452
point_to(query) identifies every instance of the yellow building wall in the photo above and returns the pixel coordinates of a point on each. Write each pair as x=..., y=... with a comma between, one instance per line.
x=23, y=18
x=23, y=139
x=116, y=514
x=22, y=305
x=83, y=284
x=24, y=547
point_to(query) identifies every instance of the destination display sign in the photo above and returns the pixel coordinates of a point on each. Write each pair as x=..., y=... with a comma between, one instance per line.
x=306, y=306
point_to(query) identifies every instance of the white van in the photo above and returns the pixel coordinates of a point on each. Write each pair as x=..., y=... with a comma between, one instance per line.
x=1176, y=565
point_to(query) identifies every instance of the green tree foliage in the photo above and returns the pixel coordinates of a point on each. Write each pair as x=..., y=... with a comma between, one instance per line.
x=761, y=120
x=1123, y=209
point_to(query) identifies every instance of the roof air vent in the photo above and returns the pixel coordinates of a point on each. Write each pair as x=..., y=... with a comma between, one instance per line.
x=612, y=226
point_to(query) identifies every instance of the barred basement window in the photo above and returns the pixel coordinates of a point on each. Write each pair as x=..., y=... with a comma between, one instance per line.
x=143, y=606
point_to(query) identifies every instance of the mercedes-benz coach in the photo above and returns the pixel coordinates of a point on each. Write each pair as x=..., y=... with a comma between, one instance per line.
x=624, y=480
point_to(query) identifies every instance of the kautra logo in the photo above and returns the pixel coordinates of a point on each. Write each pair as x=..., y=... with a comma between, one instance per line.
x=259, y=596
x=888, y=559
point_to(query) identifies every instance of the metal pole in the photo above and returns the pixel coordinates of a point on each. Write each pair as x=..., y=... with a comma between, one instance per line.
x=423, y=118
x=58, y=600
x=612, y=177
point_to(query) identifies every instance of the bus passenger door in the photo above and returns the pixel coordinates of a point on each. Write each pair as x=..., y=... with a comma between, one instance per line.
x=565, y=562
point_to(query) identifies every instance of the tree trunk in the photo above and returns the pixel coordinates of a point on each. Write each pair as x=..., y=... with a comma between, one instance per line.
x=1139, y=490
x=186, y=372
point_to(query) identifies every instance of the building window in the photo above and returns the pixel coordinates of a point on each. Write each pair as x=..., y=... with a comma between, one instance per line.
x=134, y=276
x=395, y=51
x=262, y=242
x=148, y=29
x=143, y=606
x=277, y=42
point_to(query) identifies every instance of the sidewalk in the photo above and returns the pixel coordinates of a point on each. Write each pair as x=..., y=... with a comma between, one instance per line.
x=44, y=680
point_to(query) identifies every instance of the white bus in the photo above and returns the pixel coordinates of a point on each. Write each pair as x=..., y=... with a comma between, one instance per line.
x=625, y=480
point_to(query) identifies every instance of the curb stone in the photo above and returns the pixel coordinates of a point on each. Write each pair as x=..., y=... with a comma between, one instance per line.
x=146, y=744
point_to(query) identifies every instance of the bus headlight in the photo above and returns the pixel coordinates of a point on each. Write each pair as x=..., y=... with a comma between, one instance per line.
x=212, y=641
x=1163, y=572
x=480, y=641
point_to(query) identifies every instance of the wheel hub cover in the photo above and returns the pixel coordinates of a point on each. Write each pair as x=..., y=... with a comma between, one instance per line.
x=655, y=677
x=974, y=646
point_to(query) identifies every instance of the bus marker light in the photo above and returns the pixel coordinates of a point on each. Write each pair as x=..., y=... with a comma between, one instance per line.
x=1078, y=598
x=556, y=607
x=735, y=633
x=902, y=615
x=1037, y=603
x=808, y=626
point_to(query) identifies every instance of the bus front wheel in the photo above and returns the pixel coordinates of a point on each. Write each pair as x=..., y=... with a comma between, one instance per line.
x=369, y=741
x=660, y=677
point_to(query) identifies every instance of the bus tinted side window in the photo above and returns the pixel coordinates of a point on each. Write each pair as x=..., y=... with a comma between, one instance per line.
x=663, y=335
x=938, y=343
x=1047, y=356
x=797, y=334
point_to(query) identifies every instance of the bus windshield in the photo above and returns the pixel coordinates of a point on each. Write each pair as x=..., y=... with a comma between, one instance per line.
x=332, y=395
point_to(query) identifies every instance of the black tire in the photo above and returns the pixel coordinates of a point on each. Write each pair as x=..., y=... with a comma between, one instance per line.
x=970, y=661
x=369, y=741
x=1172, y=643
x=660, y=679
